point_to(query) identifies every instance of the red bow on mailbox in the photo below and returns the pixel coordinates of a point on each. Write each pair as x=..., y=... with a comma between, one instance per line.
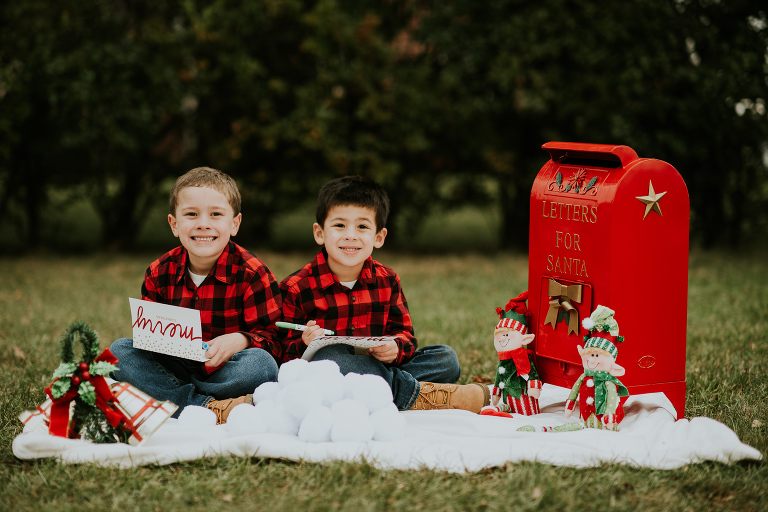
x=560, y=297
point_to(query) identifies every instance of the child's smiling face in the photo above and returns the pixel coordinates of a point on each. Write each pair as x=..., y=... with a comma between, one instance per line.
x=349, y=235
x=204, y=222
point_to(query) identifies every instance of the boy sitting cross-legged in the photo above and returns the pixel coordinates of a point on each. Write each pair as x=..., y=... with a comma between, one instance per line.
x=236, y=294
x=344, y=290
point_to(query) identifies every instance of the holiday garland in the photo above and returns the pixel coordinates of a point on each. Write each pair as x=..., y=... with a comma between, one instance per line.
x=94, y=415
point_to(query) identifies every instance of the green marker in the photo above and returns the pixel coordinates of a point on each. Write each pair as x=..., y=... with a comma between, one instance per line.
x=299, y=327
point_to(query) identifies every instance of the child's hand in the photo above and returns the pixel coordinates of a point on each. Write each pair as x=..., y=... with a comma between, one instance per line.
x=568, y=412
x=385, y=353
x=534, y=393
x=313, y=331
x=223, y=347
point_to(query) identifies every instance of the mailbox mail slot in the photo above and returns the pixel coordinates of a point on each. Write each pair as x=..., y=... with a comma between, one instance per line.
x=610, y=228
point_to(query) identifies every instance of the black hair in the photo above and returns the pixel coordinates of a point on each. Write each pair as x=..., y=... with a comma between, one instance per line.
x=354, y=191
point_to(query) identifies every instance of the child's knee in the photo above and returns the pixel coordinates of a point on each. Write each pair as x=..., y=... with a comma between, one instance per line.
x=121, y=347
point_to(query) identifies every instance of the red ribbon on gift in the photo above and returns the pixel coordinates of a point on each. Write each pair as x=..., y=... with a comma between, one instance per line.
x=105, y=400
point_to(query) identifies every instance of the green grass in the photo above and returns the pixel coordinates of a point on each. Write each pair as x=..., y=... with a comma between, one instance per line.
x=452, y=300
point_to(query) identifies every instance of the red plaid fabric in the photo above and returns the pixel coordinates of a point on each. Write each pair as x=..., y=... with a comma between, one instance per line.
x=375, y=306
x=239, y=295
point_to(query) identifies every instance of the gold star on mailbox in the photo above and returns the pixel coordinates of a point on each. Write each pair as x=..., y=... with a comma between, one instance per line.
x=651, y=201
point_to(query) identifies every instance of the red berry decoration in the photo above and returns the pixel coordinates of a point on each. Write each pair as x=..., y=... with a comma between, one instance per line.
x=76, y=380
x=86, y=375
x=83, y=366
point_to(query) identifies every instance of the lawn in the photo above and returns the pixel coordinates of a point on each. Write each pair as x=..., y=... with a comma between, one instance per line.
x=452, y=300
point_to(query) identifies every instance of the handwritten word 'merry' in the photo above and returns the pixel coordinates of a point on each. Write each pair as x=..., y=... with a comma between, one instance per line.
x=167, y=330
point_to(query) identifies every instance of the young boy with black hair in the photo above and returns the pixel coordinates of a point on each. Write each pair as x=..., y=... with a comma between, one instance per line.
x=344, y=290
x=236, y=294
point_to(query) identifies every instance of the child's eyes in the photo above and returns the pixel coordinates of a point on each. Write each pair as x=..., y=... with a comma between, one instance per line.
x=362, y=226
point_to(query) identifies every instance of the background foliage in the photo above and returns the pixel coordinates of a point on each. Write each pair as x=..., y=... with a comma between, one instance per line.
x=447, y=104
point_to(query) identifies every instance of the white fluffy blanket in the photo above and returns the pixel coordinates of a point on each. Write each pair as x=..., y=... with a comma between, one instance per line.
x=454, y=441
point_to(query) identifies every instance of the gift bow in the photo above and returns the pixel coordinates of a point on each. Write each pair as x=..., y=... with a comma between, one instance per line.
x=561, y=297
x=60, y=424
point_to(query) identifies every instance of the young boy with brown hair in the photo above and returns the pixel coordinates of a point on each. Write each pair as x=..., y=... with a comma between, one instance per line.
x=344, y=290
x=236, y=294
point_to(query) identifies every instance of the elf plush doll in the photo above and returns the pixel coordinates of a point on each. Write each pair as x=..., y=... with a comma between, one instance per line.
x=517, y=386
x=601, y=394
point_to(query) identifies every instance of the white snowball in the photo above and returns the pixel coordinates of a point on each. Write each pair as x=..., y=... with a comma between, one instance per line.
x=316, y=427
x=373, y=391
x=278, y=420
x=349, y=407
x=197, y=416
x=245, y=420
x=292, y=371
x=299, y=399
x=388, y=425
x=266, y=391
x=351, y=428
x=331, y=386
x=321, y=368
x=350, y=382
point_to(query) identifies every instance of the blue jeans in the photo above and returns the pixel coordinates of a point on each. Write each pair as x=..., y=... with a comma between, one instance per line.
x=183, y=381
x=433, y=363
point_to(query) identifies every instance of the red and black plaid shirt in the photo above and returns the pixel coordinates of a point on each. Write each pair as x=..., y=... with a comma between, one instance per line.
x=240, y=294
x=375, y=306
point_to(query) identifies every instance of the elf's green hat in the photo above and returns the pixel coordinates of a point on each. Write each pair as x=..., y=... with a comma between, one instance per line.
x=603, y=332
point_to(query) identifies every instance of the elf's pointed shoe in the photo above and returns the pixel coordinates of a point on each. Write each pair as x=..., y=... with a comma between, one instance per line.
x=469, y=397
x=222, y=408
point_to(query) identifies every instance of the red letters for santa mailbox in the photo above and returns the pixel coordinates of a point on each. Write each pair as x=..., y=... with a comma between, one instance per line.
x=609, y=228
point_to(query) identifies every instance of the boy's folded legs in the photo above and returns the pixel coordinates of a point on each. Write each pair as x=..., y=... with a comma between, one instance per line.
x=438, y=365
x=183, y=382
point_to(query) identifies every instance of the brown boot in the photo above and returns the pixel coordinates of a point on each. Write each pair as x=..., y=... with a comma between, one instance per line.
x=222, y=408
x=469, y=397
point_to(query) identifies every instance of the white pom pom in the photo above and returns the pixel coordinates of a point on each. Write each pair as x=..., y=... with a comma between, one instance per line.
x=352, y=427
x=350, y=382
x=373, y=391
x=244, y=420
x=590, y=400
x=292, y=371
x=266, y=391
x=588, y=324
x=197, y=416
x=278, y=420
x=322, y=367
x=502, y=370
x=501, y=385
x=331, y=386
x=590, y=383
x=349, y=407
x=316, y=427
x=388, y=425
x=299, y=399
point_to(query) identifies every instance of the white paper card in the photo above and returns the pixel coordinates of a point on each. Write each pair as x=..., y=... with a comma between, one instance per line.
x=363, y=343
x=167, y=329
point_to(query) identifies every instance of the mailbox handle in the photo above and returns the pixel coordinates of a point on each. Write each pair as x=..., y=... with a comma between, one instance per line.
x=598, y=155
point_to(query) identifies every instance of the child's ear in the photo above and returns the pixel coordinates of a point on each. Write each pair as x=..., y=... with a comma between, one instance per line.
x=378, y=240
x=172, y=223
x=317, y=230
x=236, y=224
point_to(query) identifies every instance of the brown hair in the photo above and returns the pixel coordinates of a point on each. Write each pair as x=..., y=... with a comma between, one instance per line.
x=207, y=177
x=355, y=191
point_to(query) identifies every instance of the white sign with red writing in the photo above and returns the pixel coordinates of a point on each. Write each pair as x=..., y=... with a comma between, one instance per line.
x=167, y=329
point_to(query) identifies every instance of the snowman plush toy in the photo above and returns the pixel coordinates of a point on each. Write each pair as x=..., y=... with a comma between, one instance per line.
x=601, y=394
